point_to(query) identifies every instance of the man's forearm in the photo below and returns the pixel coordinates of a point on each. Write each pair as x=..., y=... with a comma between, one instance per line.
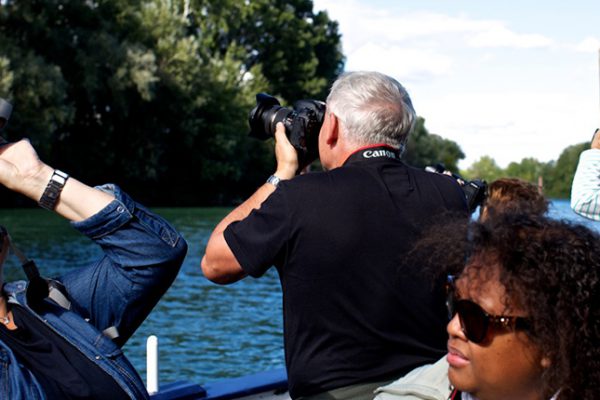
x=219, y=264
x=244, y=209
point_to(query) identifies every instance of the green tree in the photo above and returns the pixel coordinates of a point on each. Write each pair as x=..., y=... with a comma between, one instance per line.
x=559, y=177
x=298, y=50
x=156, y=93
x=485, y=168
x=424, y=149
x=529, y=169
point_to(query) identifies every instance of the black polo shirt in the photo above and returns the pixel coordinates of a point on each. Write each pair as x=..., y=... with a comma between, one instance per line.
x=356, y=309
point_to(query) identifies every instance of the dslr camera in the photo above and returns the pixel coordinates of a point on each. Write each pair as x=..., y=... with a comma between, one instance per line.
x=302, y=124
x=5, y=111
x=475, y=190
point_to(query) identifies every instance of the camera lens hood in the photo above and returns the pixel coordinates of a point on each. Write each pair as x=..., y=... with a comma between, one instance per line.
x=260, y=122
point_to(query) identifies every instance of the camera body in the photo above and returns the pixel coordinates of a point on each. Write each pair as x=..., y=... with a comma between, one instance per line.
x=302, y=124
x=5, y=111
x=475, y=190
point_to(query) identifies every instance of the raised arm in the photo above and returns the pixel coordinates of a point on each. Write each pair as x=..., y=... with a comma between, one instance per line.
x=219, y=263
x=22, y=171
x=585, y=192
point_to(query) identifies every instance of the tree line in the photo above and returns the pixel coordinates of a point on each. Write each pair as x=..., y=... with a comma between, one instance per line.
x=154, y=95
x=555, y=177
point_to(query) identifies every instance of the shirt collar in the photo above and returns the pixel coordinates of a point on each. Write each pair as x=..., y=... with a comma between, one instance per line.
x=373, y=151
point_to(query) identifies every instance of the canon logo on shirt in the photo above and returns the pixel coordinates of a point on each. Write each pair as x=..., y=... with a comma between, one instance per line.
x=379, y=153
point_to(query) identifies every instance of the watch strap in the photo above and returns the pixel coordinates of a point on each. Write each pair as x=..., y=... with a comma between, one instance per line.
x=274, y=180
x=52, y=191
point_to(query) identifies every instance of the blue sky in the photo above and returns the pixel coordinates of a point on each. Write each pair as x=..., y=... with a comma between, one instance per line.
x=508, y=79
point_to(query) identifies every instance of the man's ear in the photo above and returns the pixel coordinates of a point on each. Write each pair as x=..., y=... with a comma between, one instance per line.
x=334, y=131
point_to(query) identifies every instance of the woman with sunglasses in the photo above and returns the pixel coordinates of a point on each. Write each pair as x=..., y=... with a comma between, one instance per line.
x=524, y=309
x=525, y=316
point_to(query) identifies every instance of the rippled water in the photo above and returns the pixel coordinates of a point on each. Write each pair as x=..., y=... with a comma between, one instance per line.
x=205, y=331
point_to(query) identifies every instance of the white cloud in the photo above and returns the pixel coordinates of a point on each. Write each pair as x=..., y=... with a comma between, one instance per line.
x=476, y=80
x=361, y=23
x=510, y=126
x=496, y=35
x=588, y=45
x=406, y=64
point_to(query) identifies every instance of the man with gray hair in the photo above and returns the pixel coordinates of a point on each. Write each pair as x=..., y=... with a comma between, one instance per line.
x=358, y=312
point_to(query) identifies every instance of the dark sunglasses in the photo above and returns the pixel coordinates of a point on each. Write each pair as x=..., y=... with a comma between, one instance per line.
x=475, y=322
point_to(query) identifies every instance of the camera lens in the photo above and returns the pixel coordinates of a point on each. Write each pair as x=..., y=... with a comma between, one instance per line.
x=302, y=124
x=265, y=115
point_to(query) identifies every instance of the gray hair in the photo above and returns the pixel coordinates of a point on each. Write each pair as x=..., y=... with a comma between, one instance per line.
x=372, y=108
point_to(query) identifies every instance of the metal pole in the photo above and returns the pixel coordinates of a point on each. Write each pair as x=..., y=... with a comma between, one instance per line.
x=152, y=364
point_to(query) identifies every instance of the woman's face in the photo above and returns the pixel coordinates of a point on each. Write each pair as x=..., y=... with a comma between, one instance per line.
x=506, y=365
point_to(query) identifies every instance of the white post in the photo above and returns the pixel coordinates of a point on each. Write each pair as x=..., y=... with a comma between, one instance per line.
x=152, y=364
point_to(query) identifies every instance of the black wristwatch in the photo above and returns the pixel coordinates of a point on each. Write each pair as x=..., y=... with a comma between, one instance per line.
x=52, y=192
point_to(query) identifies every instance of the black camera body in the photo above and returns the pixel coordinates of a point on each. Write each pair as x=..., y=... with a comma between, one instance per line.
x=475, y=190
x=302, y=124
x=5, y=111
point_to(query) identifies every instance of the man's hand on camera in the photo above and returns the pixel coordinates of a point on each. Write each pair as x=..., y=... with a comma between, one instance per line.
x=287, y=157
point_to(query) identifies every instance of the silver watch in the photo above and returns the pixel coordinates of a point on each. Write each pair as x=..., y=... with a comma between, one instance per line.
x=52, y=192
x=274, y=180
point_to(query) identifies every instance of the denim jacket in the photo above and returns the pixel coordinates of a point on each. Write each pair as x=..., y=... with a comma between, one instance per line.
x=142, y=256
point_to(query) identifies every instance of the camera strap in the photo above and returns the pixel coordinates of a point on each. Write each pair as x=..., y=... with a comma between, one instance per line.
x=38, y=288
x=373, y=152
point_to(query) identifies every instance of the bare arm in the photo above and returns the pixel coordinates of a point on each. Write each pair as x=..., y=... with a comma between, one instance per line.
x=22, y=171
x=219, y=263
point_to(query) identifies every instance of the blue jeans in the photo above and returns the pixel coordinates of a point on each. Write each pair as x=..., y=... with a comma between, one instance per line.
x=142, y=256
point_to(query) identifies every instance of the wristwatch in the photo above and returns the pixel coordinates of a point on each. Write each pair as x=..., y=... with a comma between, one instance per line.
x=274, y=180
x=52, y=192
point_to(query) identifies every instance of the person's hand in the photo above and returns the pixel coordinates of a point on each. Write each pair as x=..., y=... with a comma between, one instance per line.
x=21, y=169
x=596, y=140
x=287, y=157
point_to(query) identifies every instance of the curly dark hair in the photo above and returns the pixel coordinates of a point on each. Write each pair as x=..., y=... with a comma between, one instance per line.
x=551, y=270
x=514, y=195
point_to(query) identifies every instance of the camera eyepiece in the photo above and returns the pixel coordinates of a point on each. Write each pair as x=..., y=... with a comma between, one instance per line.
x=302, y=124
x=5, y=111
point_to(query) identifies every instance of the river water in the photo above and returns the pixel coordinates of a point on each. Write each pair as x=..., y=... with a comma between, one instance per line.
x=205, y=331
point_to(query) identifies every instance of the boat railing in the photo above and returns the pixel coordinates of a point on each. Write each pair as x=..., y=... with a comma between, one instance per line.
x=266, y=384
